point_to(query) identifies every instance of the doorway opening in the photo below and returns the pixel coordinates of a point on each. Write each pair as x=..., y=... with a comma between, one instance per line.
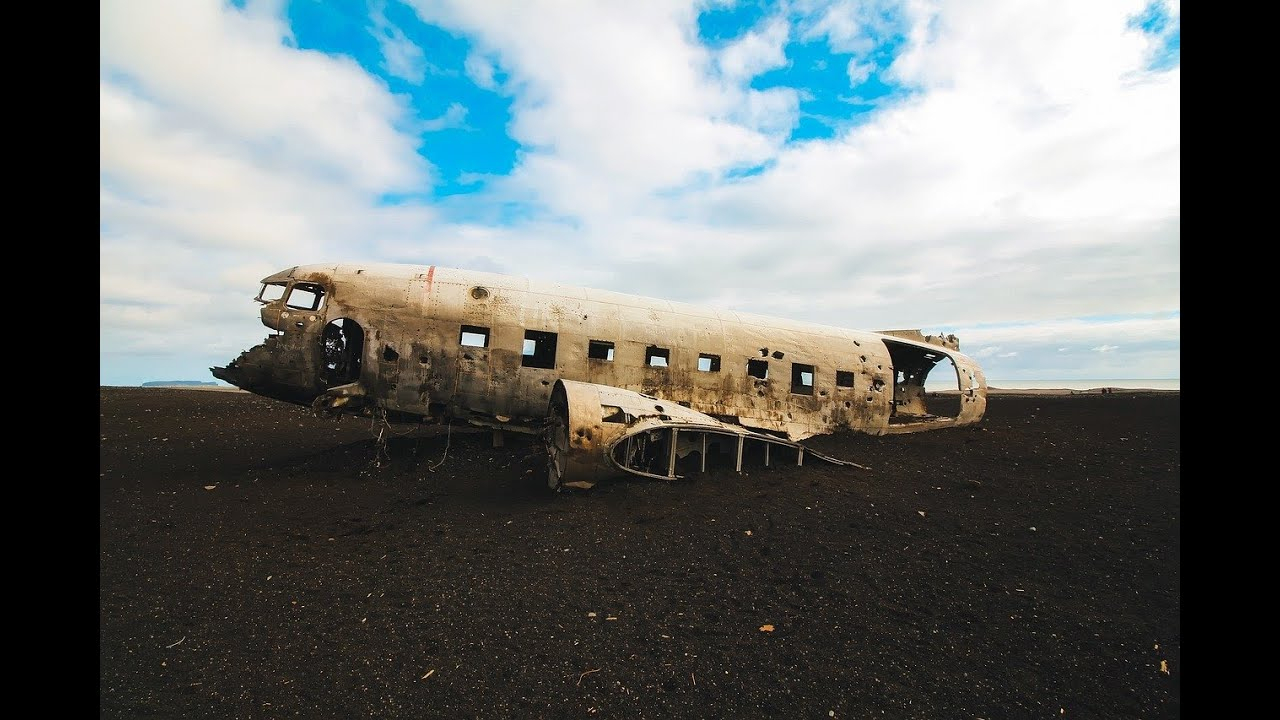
x=343, y=348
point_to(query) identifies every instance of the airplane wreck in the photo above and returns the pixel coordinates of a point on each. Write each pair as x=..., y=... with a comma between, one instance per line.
x=616, y=384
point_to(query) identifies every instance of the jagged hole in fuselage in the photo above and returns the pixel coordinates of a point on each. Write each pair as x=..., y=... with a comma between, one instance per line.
x=926, y=384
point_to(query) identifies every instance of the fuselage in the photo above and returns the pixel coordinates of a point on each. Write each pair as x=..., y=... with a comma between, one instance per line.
x=429, y=342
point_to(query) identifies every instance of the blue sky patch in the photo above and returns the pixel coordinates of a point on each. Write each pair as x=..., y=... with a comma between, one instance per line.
x=829, y=102
x=462, y=125
x=719, y=26
x=1156, y=21
x=842, y=79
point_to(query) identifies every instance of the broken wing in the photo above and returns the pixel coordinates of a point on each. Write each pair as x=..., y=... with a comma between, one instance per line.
x=598, y=431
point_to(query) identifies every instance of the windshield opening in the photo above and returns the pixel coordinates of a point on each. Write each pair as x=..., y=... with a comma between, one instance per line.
x=305, y=296
x=270, y=292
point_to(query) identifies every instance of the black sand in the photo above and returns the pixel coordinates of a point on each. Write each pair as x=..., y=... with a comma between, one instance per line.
x=1029, y=567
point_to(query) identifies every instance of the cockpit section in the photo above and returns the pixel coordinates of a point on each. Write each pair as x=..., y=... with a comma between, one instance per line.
x=279, y=298
x=308, y=354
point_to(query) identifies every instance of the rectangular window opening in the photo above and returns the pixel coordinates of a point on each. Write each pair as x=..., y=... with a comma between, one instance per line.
x=655, y=356
x=801, y=379
x=708, y=363
x=271, y=292
x=600, y=350
x=539, y=349
x=305, y=296
x=758, y=369
x=844, y=378
x=473, y=336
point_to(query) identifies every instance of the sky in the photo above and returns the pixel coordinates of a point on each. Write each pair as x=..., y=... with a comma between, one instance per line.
x=1004, y=170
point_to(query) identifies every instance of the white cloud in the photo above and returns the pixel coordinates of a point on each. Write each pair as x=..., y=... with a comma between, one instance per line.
x=1024, y=53
x=858, y=72
x=1031, y=176
x=1106, y=348
x=631, y=107
x=480, y=70
x=404, y=59
x=759, y=50
x=1080, y=332
x=850, y=26
x=226, y=155
x=225, y=74
x=454, y=116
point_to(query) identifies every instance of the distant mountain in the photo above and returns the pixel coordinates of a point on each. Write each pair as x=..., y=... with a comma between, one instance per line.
x=170, y=383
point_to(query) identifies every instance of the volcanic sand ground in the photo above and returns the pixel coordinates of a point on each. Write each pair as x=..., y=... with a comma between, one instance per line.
x=258, y=562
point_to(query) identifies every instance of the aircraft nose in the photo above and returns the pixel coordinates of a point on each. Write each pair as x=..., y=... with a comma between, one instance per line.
x=259, y=370
x=226, y=374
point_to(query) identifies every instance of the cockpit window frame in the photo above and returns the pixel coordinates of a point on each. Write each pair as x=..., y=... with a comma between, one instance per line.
x=296, y=291
x=284, y=290
x=317, y=290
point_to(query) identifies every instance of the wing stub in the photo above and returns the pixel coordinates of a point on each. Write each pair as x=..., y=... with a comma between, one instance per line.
x=599, y=431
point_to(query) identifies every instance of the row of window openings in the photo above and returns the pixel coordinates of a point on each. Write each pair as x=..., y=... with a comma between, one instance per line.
x=302, y=296
x=540, y=352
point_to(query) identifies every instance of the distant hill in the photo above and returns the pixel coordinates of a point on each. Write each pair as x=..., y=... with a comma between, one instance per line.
x=171, y=383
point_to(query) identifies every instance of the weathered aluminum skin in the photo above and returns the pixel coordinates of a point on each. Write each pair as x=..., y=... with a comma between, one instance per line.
x=411, y=363
x=592, y=428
